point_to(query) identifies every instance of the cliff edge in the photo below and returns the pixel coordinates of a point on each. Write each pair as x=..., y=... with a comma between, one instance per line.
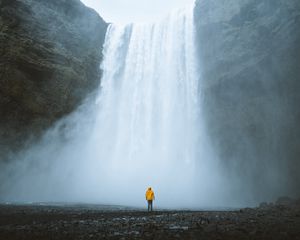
x=50, y=52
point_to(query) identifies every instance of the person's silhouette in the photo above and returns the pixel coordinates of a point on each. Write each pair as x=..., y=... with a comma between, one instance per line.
x=150, y=198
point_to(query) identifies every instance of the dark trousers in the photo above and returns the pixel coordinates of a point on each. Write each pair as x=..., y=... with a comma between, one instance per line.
x=150, y=205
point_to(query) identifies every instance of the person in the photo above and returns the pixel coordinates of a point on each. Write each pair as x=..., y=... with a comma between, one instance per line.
x=150, y=198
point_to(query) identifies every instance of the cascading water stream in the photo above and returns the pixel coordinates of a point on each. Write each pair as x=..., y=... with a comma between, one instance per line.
x=147, y=127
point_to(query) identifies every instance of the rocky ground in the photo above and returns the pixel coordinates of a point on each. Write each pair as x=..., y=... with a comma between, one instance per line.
x=269, y=221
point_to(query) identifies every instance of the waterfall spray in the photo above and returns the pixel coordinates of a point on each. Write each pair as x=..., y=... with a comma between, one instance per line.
x=144, y=129
x=148, y=118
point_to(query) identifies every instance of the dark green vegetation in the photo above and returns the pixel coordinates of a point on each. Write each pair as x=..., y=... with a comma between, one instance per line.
x=50, y=52
x=250, y=55
x=279, y=221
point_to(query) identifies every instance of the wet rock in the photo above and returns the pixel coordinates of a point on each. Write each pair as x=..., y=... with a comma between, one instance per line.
x=263, y=205
x=49, y=61
x=250, y=53
x=285, y=201
x=63, y=224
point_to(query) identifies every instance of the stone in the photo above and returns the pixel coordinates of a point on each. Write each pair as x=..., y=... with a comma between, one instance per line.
x=49, y=62
x=249, y=53
x=284, y=201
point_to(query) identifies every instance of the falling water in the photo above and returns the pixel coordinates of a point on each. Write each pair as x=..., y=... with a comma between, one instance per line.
x=147, y=127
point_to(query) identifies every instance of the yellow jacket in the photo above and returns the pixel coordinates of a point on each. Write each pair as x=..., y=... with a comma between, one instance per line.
x=150, y=195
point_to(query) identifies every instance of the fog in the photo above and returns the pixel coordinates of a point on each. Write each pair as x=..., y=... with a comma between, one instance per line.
x=201, y=131
x=143, y=127
x=252, y=89
x=126, y=11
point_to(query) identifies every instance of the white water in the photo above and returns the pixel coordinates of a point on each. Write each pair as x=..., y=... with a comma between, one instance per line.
x=148, y=120
x=144, y=130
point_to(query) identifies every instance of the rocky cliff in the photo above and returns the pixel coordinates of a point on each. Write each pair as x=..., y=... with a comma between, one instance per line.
x=250, y=55
x=50, y=53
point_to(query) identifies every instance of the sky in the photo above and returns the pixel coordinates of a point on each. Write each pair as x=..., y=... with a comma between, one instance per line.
x=126, y=11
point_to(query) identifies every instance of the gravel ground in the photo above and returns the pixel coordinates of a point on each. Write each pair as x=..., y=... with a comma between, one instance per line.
x=40, y=221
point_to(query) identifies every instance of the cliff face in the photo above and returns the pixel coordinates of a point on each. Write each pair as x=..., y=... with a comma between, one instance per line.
x=250, y=55
x=50, y=53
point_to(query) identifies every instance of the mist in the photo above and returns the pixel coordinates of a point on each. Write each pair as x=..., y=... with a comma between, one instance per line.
x=252, y=86
x=195, y=105
x=142, y=128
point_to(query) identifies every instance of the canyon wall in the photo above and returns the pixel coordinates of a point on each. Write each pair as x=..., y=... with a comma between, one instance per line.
x=250, y=55
x=50, y=52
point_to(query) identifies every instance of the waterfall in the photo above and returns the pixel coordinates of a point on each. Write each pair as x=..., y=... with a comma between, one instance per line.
x=144, y=129
x=147, y=128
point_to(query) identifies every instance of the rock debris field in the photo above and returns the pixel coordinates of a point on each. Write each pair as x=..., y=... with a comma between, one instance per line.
x=60, y=221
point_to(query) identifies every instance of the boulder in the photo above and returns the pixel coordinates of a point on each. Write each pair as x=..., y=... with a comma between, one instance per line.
x=285, y=201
